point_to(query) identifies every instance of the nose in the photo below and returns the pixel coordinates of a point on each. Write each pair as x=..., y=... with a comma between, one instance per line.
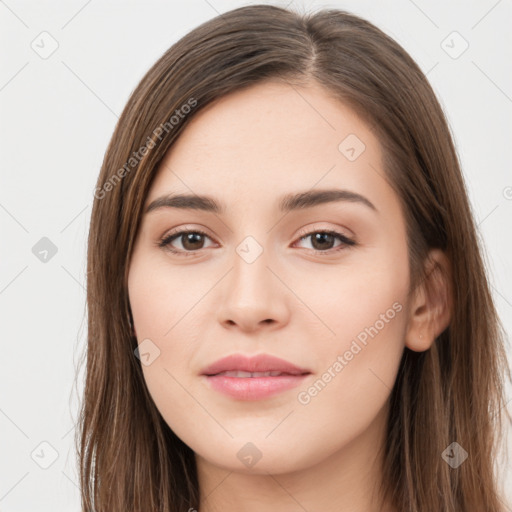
x=253, y=296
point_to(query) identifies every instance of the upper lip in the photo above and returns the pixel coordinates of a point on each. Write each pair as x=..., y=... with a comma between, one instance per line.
x=259, y=363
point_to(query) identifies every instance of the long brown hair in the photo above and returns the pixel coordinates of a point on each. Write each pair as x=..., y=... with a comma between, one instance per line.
x=129, y=459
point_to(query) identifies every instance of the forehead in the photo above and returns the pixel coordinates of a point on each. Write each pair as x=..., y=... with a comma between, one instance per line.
x=269, y=140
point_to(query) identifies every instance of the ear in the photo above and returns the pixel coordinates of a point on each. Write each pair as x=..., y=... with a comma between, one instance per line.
x=431, y=305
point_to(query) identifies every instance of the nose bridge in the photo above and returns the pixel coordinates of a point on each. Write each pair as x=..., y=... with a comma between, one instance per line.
x=252, y=293
x=250, y=279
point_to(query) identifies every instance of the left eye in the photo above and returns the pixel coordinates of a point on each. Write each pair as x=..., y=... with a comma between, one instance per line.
x=192, y=241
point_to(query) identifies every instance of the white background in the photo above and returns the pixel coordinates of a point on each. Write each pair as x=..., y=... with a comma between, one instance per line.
x=57, y=116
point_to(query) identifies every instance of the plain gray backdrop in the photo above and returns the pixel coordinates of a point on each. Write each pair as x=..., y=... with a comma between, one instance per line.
x=67, y=70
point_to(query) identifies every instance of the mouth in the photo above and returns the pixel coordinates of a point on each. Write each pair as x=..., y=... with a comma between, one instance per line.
x=252, y=386
x=255, y=364
x=244, y=375
x=253, y=377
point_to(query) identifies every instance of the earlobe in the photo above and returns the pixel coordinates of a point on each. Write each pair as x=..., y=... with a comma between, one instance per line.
x=418, y=336
x=430, y=309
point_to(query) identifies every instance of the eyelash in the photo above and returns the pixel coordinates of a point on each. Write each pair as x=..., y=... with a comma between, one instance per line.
x=165, y=242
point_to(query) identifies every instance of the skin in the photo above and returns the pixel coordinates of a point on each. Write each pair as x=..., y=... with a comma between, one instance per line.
x=295, y=301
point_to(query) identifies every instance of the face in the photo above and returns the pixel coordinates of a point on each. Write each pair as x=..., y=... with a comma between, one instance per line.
x=318, y=281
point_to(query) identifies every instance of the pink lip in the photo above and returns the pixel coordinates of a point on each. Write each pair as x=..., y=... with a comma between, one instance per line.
x=253, y=388
x=259, y=363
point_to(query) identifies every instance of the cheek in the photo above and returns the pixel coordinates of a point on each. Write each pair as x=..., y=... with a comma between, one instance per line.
x=169, y=309
x=362, y=299
x=159, y=297
x=357, y=368
x=358, y=359
x=167, y=325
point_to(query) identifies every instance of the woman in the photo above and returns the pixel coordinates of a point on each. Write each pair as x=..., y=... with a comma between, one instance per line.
x=288, y=306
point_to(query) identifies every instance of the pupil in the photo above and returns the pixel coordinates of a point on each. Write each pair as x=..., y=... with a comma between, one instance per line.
x=321, y=237
x=191, y=238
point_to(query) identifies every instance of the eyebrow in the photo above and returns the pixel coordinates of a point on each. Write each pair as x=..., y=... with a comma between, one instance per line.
x=287, y=203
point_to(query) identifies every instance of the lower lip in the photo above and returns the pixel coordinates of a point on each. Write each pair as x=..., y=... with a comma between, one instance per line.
x=254, y=388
